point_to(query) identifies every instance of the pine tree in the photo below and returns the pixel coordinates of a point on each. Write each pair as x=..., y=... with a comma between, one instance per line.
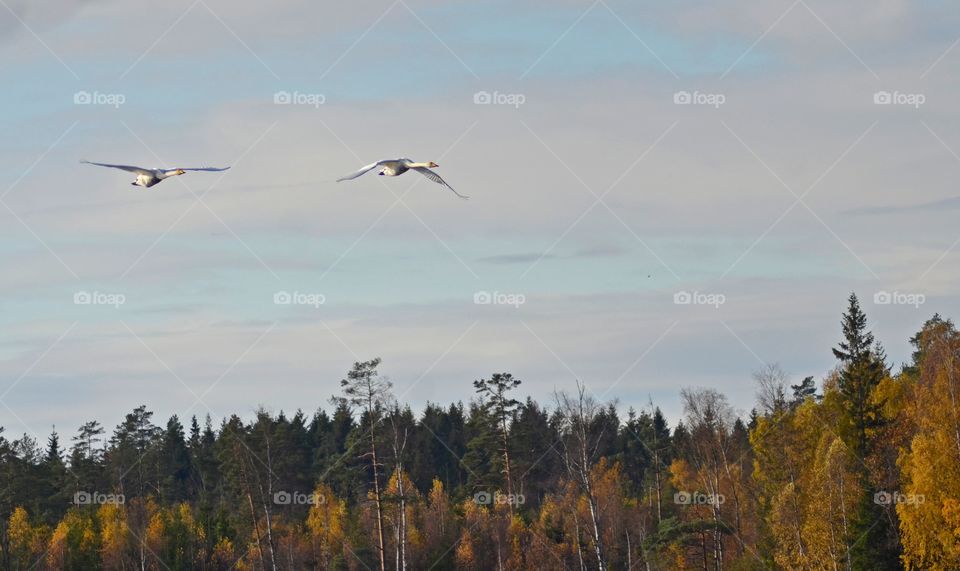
x=86, y=458
x=495, y=400
x=365, y=389
x=801, y=392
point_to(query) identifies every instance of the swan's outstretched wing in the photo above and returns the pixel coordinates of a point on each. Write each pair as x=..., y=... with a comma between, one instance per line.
x=363, y=170
x=207, y=169
x=138, y=170
x=437, y=179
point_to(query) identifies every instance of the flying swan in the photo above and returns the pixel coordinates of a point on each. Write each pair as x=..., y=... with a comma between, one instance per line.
x=149, y=177
x=396, y=167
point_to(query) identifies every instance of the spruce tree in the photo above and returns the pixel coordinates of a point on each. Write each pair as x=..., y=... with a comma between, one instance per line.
x=862, y=369
x=52, y=481
x=174, y=463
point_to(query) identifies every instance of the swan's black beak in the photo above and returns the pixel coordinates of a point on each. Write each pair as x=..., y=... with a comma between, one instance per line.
x=380, y=173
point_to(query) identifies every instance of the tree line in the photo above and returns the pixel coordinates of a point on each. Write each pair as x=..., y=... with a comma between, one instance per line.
x=860, y=470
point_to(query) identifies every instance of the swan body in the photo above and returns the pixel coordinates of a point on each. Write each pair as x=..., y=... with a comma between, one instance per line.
x=396, y=167
x=150, y=177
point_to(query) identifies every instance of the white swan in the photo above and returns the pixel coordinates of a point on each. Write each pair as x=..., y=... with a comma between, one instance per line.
x=149, y=177
x=396, y=167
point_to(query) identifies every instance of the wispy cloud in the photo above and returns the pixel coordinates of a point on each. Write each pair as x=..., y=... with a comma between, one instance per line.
x=203, y=89
x=952, y=203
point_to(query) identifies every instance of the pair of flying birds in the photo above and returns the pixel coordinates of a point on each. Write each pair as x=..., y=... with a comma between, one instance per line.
x=390, y=167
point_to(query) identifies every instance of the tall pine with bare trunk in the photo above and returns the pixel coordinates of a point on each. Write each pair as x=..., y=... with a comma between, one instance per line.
x=366, y=390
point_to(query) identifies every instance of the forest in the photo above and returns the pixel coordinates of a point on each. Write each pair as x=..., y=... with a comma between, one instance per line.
x=856, y=470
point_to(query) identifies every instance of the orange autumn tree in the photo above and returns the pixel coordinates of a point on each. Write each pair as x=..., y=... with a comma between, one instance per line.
x=712, y=477
x=785, y=444
x=401, y=514
x=492, y=536
x=326, y=521
x=929, y=506
x=833, y=504
x=115, y=543
x=439, y=525
x=27, y=543
x=74, y=543
x=807, y=481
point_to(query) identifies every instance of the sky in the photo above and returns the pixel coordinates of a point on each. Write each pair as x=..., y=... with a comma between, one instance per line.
x=663, y=195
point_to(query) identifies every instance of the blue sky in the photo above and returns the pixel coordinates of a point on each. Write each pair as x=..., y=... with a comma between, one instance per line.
x=694, y=198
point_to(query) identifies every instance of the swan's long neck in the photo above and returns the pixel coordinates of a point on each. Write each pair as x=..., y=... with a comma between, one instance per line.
x=418, y=165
